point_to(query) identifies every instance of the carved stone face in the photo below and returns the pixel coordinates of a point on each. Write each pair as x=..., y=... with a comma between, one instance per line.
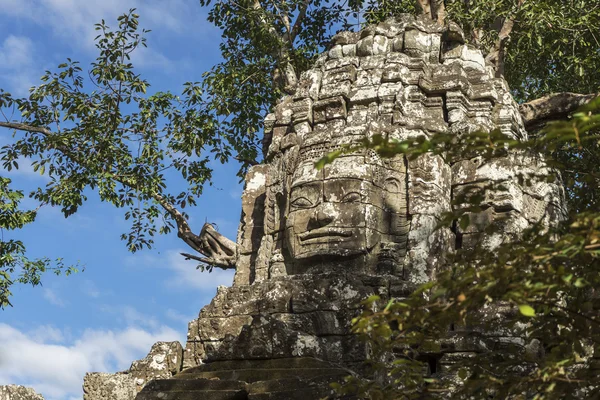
x=335, y=212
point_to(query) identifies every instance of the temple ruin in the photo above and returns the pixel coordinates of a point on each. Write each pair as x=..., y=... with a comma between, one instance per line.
x=312, y=244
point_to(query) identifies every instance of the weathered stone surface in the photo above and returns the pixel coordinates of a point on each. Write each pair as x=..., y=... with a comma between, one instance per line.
x=119, y=386
x=18, y=392
x=164, y=360
x=277, y=379
x=313, y=243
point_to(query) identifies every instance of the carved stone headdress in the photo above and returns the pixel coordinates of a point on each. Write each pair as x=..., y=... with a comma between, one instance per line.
x=407, y=77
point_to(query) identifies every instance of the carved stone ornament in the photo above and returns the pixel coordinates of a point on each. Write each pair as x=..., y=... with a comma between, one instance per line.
x=312, y=244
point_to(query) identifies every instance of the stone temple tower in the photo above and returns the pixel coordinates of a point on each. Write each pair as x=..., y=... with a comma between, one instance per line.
x=312, y=244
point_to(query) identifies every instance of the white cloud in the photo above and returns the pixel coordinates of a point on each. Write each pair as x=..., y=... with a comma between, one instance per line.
x=16, y=52
x=146, y=57
x=186, y=274
x=46, y=334
x=133, y=316
x=52, y=297
x=57, y=370
x=74, y=20
x=16, y=63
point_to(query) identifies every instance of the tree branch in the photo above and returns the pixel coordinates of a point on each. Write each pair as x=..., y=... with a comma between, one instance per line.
x=284, y=20
x=28, y=128
x=289, y=77
x=246, y=160
x=425, y=6
x=440, y=11
x=298, y=24
x=553, y=107
x=496, y=56
x=37, y=129
x=183, y=228
x=256, y=6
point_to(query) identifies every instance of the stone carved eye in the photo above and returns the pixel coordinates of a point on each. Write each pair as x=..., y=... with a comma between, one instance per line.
x=301, y=202
x=352, y=197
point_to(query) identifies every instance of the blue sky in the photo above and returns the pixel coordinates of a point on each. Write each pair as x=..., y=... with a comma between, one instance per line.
x=106, y=317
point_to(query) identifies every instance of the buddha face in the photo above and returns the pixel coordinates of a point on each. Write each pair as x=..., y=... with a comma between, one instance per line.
x=335, y=212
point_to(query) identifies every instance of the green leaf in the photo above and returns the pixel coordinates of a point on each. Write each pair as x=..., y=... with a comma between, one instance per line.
x=527, y=310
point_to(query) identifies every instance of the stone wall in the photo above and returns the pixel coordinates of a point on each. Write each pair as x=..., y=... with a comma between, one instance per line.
x=17, y=392
x=163, y=361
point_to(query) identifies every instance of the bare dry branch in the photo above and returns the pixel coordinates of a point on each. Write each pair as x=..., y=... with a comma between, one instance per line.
x=204, y=260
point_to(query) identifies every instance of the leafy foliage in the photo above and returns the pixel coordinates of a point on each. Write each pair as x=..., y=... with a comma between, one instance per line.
x=15, y=266
x=538, y=292
x=99, y=129
x=262, y=42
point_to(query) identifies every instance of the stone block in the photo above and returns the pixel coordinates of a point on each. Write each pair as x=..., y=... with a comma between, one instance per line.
x=388, y=91
x=308, y=85
x=453, y=33
x=349, y=50
x=369, y=77
x=345, y=38
x=363, y=95
x=214, y=329
x=284, y=111
x=342, y=62
x=380, y=44
x=468, y=57
x=357, y=116
x=346, y=73
x=302, y=111
x=302, y=129
x=398, y=44
x=288, y=141
x=329, y=109
x=335, y=52
x=417, y=43
x=163, y=361
x=364, y=47
x=373, y=62
x=193, y=354
x=101, y=386
x=396, y=73
x=18, y=392
x=335, y=89
x=429, y=185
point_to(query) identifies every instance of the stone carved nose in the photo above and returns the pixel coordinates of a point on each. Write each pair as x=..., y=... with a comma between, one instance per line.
x=324, y=215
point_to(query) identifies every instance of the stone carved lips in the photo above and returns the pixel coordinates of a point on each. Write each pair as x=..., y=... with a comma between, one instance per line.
x=324, y=235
